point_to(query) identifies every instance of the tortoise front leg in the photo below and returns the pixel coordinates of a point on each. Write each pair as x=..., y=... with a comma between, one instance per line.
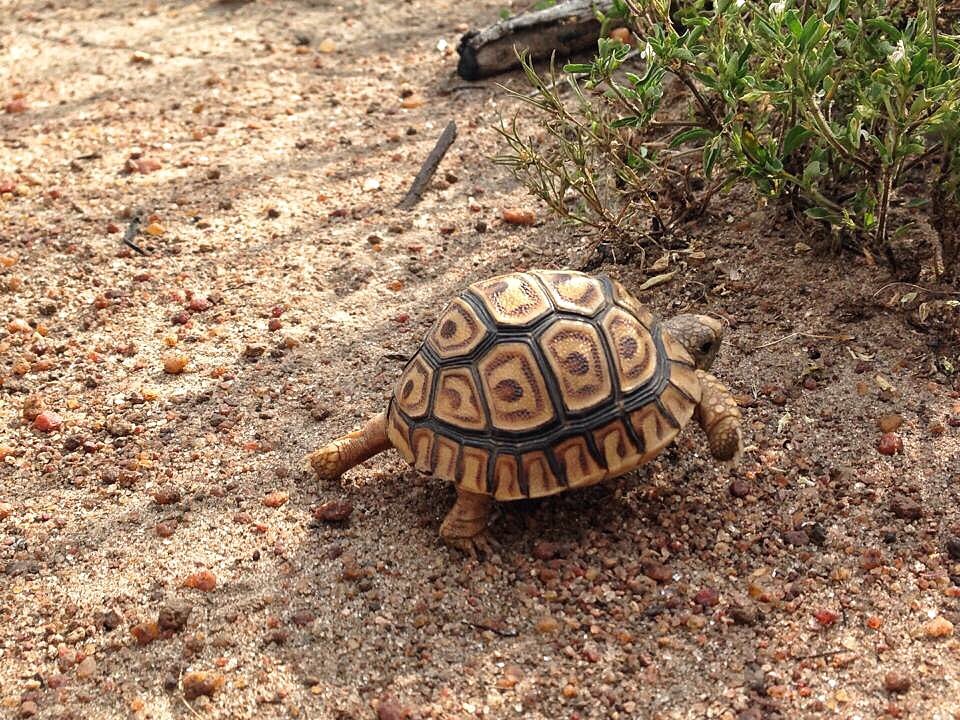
x=465, y=526
x=719, y=417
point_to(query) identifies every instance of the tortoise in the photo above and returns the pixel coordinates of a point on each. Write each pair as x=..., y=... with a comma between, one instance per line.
x=533, y=383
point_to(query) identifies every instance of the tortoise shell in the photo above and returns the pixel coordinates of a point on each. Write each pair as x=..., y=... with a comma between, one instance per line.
x=532, y=383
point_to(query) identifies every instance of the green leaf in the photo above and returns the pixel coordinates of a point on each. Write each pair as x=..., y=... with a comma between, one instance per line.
x=630, y=121
x=792, y=19
x=578, y=68
x=813, y=31
x=886, y=27
x=711, y=154
x=752, y=148
x=794, y=139
x=691, y=135
x=917, y=63
x=753, y=96
x=812, y=171
x=820, y=213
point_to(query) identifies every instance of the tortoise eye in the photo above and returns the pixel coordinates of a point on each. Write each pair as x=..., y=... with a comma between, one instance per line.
x=706, y=347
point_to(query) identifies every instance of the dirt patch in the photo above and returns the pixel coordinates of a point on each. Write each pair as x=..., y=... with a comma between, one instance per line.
x=158, y=538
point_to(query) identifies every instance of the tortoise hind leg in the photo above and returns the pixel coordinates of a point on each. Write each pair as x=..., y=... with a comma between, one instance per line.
x=334, y=459
x=465, y=526
x=719, y=417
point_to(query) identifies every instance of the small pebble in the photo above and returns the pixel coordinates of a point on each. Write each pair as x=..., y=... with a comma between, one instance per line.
x=205, y=581
x=19, y=105
x=889, y=423
x=413, y=101
x=87, y=667
x=890, y=444
x=275, y=499
x=28, y=708
x=796, y=537
x=906, y=508
x=173, y=616
x=334, y=511
x=47, y=421
x=826, y=617
x=739, y=488
x=145, y=633
x=939, y=627
x=166, y=495
x=32, y=407
x=657, y=571
x=707, y=597
x=896, y=682
x=622, y=34
x=139, y=57
x=147, y=165
x=196, y=684
x=547, y=624
x=110, y=620
x=543, y=550
x=174, y=363
x=199, y=304
x=302, y=618
x=516, y=216
x=389, y=709
x=953, y=548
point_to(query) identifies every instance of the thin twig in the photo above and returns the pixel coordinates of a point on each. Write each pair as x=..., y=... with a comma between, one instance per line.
x=182, y=698
x=917, y=160
x=916, y=287
x=825, y=653
x=132, y=229
x=429, y=166
x=562, y=77
x=682, y=76
x=827, y=133
x=509, y=632
x=838, y=338
x=678, y=72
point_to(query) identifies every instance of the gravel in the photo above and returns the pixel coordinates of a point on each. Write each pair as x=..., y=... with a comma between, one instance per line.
x=674, y=592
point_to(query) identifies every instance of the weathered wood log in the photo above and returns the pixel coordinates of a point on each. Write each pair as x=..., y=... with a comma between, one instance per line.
x=566, y=28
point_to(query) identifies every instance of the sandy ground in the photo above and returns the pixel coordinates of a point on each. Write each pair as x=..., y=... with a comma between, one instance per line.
x=267, y=144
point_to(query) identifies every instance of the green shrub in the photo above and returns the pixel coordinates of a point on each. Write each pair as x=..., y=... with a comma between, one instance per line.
x=831, y=104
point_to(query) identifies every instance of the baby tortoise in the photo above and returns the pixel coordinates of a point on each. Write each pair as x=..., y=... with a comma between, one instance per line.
x=533, y=383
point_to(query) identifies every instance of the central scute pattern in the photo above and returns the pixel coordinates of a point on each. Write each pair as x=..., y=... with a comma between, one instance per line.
x=530, y=383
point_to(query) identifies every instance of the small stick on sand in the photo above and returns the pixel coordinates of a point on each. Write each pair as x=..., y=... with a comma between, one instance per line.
x=131, y=233
x=838, y=338
x=429, y=166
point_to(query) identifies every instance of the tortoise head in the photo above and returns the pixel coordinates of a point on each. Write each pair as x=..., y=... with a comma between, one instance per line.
x=699, y=334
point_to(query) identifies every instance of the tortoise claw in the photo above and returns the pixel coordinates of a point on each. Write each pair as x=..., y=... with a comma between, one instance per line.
x=480, y=545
